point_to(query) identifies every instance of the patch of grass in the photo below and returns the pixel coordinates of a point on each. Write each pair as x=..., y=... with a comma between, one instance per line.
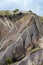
x=4, y=13
x=41, y=17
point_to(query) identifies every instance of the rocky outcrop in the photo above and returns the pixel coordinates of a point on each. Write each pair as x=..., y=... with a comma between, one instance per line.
x=4, y=26
x=21, y=39
x=36, y=58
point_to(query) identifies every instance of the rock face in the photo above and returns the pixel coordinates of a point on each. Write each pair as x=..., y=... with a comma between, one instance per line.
x=40, y=42
x=35, y=58
x=4, y=26
x=21, y=38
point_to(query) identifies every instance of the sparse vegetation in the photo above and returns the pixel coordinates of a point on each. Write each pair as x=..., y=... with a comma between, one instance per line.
x=41, y=17
x=4, y=13
x=8, y=61
x=16, y=16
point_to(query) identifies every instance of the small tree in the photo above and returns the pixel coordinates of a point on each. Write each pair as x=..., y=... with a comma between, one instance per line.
x=8, y=61
x=30, y=11
x=16, y=10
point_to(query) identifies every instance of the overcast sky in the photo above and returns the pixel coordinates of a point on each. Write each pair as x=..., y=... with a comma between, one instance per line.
x=34, y=5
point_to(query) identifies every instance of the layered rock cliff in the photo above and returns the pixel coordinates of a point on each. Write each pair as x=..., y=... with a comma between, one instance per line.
x=19, y=36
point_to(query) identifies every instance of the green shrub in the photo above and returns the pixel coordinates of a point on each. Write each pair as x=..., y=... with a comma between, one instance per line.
x=16, y=10
x=30, y=11
x=8, y=61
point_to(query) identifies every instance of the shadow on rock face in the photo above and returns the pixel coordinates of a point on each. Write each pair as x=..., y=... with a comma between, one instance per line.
x=36, y=58
x=23, y=63
x=14, y=60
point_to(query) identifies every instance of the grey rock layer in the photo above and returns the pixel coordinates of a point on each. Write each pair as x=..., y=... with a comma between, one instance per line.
x=36, y=58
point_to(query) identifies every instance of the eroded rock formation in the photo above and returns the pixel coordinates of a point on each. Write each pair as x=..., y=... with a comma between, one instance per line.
x=23, y=36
